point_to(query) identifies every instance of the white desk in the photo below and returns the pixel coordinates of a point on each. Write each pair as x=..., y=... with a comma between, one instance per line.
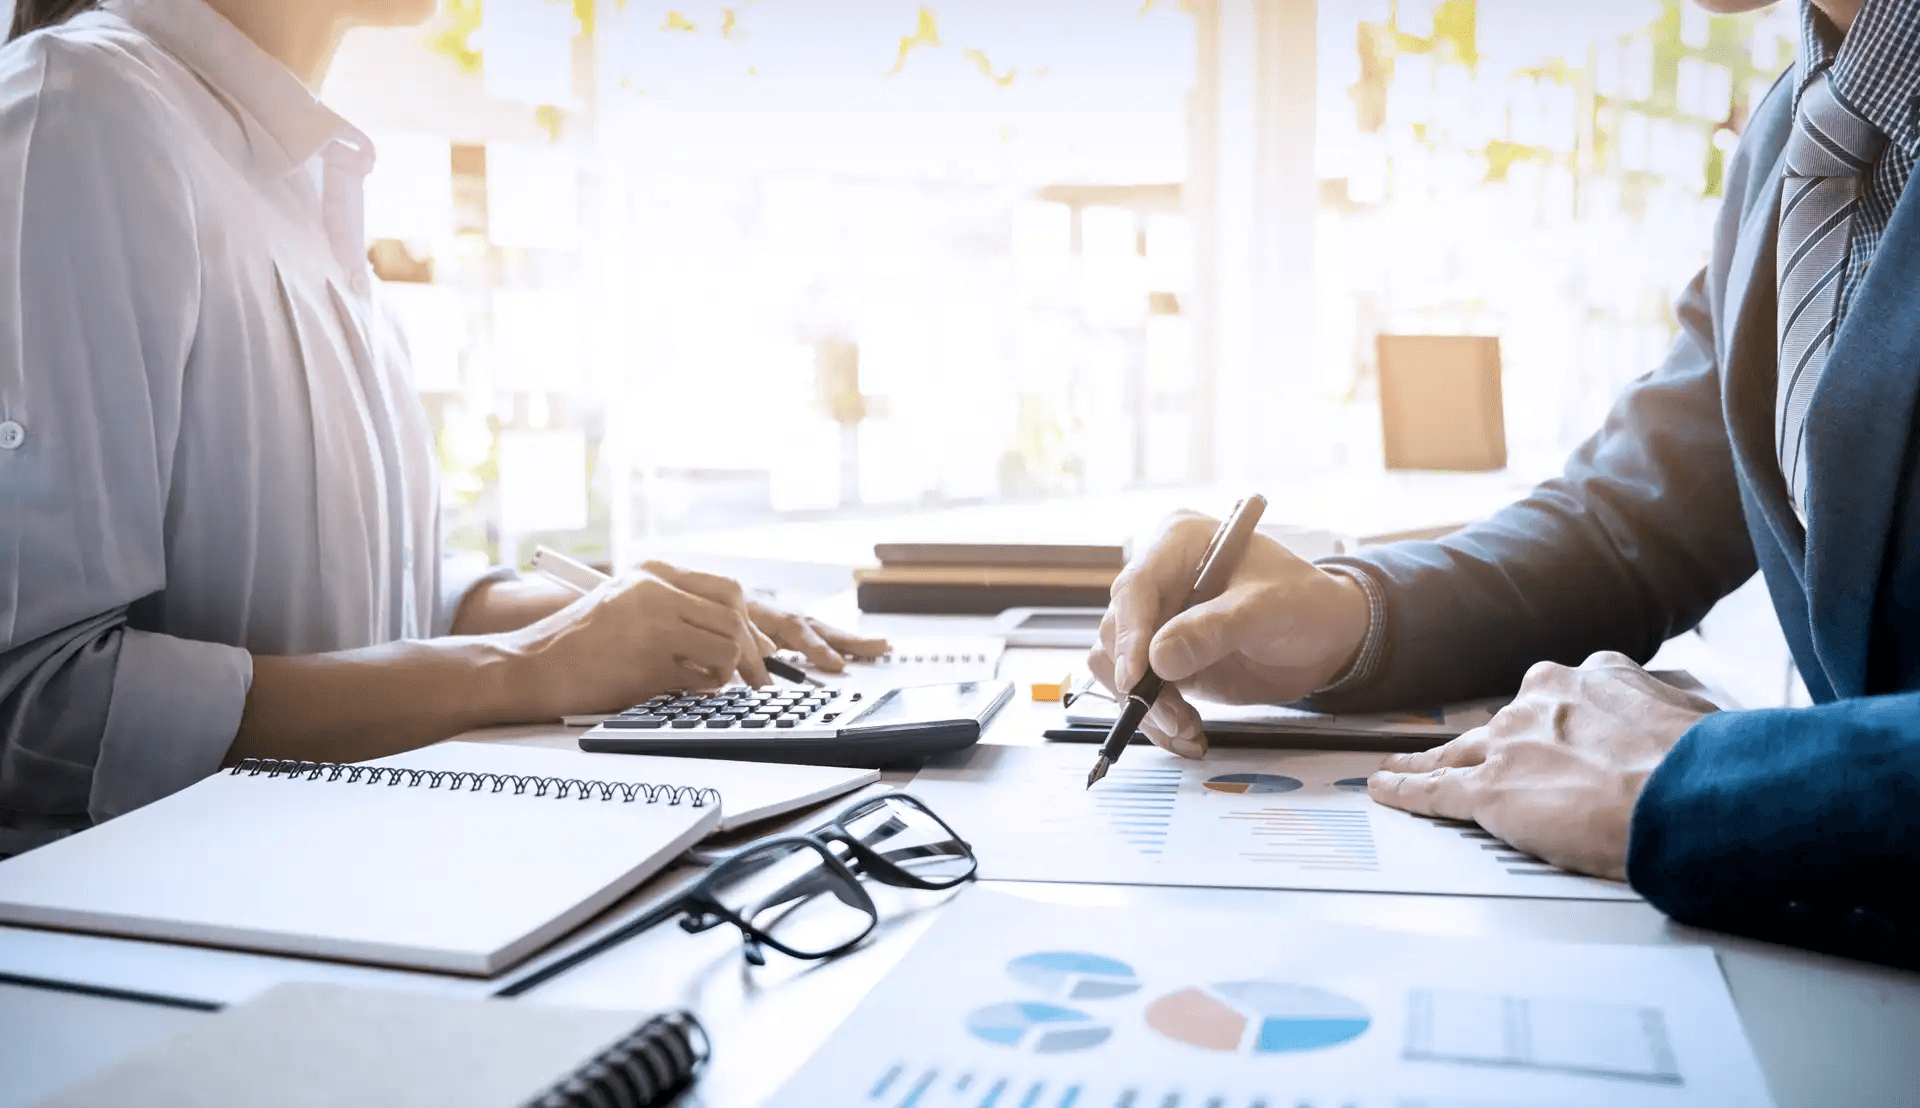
x=1828, y=1032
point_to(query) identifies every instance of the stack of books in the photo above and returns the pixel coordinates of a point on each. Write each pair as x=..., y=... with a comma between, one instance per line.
x=987, y=578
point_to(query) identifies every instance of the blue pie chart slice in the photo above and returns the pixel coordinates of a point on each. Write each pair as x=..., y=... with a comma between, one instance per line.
x=1258, y=1017
x=1074, y=974
x=1252, y=783
x=1040, y=1028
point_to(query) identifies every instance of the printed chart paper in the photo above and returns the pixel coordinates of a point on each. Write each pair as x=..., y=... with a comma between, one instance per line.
x=1007, y=1003
x=1256, y=819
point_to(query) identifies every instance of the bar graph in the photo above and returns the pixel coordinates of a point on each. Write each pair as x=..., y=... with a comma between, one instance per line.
x=908, y=1085
x=1139, y=804
x=1336, y=839
x=1515, y=862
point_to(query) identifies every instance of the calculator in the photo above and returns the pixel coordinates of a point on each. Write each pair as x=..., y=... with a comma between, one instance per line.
x=841, y=726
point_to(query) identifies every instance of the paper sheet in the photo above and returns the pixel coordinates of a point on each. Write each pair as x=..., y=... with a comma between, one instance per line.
x=1253, y=819
x=1006, y=1002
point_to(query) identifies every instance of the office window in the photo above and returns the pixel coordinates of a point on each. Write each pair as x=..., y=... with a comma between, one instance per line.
x=668, y=268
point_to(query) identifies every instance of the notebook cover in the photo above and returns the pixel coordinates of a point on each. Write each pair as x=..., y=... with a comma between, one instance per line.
x=317, y=1046
x=422, y=875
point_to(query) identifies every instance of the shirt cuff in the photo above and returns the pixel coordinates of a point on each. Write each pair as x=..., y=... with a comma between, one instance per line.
x=175, y=710
x=1364, y=663
x=460, y=573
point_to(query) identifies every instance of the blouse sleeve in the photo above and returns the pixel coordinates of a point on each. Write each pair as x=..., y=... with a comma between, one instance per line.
x=99, y=288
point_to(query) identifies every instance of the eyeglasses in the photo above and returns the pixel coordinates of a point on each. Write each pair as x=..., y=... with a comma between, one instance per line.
x=802, y=894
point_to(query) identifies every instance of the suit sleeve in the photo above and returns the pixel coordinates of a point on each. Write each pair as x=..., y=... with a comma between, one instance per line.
x=1794, y=825
x=1633, y=543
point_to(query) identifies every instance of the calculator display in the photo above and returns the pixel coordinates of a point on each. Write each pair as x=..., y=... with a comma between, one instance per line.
x=924, y=703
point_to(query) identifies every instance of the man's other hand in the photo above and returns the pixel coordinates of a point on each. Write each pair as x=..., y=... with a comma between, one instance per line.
x=1555, y=773
x=1281, y=629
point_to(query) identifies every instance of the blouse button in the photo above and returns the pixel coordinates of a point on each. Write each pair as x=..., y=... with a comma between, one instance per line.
x=360, y=283
x=12, y=435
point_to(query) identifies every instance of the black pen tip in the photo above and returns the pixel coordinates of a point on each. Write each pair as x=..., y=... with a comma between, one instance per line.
x=1099, y=770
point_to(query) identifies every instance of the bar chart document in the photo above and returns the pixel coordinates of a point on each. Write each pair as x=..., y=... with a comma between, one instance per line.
x=1007, y=1002
x=1253, y=819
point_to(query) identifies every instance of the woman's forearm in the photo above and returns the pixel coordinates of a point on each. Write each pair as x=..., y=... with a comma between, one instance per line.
x=378, y=700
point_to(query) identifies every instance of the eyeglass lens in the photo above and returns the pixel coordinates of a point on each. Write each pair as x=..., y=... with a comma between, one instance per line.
x=909, y=837
x=786, y=891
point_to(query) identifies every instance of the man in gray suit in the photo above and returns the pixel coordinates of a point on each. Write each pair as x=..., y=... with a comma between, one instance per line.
x=1777, y=435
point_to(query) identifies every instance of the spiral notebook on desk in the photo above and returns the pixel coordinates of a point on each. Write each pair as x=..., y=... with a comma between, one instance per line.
x=318, y=1046
x=462, y=858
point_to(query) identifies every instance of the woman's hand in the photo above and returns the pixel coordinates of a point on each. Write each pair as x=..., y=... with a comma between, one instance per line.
x=638, y=635
x=826, y=646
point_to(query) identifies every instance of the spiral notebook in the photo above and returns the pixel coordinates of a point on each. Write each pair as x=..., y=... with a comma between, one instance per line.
x=461, y=861
x=318, y=1046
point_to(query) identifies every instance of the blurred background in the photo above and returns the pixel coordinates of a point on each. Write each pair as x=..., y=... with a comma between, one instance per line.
x=673, y=269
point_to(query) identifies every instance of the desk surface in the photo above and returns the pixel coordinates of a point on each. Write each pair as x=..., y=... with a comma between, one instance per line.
x=1828, y=1032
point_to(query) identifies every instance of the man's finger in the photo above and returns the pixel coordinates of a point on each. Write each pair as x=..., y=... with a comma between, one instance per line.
x=1446, y=792
x=1206, y=633
x=1467, y=749
x=1172, y=724
x=1100, y=665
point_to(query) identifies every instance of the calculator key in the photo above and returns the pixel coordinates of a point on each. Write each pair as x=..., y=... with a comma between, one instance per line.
x=683, y=722
x=829, y=717
x=721, y=721
x=761, y=716
x=785, y=721
x=755, y=721
x=632, y=723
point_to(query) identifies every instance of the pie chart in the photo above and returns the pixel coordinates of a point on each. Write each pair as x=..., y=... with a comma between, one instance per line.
x=1252, y=783
x=1257, y=1017
x=1040, y=1028
x=1074, y=975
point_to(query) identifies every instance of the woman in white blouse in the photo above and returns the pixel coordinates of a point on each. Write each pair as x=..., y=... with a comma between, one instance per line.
x=218, y=526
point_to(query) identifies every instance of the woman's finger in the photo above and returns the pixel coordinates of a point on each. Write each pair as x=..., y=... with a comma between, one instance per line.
x=822, y=656
x=864, y=647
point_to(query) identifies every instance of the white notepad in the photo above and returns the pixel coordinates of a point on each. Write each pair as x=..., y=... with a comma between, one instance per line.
x=420, y=868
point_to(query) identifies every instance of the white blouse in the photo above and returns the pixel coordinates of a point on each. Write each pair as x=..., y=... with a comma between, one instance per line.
x=208, y=442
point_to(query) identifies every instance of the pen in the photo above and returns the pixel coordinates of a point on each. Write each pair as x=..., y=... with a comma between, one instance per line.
x=1216, y=565
x=583, y=578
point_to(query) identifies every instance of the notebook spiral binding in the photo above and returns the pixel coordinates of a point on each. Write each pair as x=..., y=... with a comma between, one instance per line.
x=455, y=780
x=647, y=1068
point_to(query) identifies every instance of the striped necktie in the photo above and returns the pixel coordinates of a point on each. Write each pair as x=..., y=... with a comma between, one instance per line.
x=1828, y=154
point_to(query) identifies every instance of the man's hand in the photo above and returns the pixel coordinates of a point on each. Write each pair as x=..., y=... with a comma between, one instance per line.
x=1555, y=773
x=1281, y=629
